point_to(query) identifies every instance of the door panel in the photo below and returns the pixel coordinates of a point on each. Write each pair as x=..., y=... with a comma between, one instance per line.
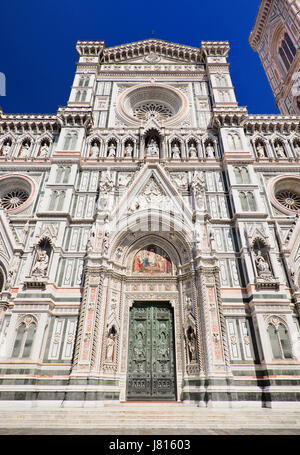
x=151, y=366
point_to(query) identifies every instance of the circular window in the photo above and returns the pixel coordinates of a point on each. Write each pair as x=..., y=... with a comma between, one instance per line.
x=152, y=110
x=159, y=102
x=15, y=192
x=285, y=194
x=289, y=199
x=14, y=199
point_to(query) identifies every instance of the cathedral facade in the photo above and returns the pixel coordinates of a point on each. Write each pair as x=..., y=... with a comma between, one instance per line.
x=149, y=233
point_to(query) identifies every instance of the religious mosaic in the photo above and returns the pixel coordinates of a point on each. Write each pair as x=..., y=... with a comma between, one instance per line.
x=152, y=260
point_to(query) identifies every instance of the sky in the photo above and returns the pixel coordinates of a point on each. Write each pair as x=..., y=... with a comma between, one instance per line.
x=38, y=39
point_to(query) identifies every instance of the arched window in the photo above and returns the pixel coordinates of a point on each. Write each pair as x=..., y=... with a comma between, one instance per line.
x=24, y=340
x=77, y=97
x=280, y=343
x=83, y=96
x=244, y=202
x=287, y=51
x=67, y=141
x=61, y=199
x=53, y=198
x=59, y=174
x=245, y=175
x=238, y=175
x=67, y=174
x=251, y=202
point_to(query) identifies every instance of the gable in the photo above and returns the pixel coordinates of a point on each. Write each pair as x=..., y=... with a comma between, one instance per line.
x=152, y=51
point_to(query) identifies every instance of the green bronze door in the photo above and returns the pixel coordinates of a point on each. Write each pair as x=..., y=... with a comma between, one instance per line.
x=151, y=365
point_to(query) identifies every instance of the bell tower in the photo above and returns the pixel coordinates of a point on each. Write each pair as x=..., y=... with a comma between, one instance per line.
x=275, y=37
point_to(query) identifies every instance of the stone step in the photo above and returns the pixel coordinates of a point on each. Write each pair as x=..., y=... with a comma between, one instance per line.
x=181, y=417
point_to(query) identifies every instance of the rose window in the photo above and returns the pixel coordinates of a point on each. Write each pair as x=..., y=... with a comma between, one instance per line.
x=289, y=199
x=14, y=199
x=149, y=111
x=158, y=102
x=16, y=192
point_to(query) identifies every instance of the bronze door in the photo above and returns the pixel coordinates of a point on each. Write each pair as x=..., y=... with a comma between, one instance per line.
x=151, y=364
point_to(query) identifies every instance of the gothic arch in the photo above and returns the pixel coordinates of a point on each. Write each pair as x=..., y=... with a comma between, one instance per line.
x=178, y=250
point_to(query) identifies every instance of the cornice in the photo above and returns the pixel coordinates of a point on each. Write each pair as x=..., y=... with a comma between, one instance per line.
x=215, y=48
x=272, y=123
x=256, y=33
x=151, y=46
x=90, y=48
x=75, y=116
x=233, y=116
x=35, y=123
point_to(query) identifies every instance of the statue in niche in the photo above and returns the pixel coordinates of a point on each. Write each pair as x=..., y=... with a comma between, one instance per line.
x=191, y=345
x=192, y=151
x=210, y=151
x=111, y=152
x=280, y=151
x=198, y=186
x=44, y=150
x=175, y=151
x=189, y=304
x=110, y=347
x=95, y=150
x=262, y=266
x=25, y=151
x=152, y=148
x=92, y=238
x=6, y=149
x=297, y=149
x=260, y=150
x=41, y=266
x=128, y=150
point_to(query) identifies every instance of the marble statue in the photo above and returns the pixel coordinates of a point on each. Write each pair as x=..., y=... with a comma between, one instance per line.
x=192, y=151
x=210, y=152
x=95, y=150
x=111, y=150
x=152, y=148
x=175, y=152
x=128, y=150
x=40, y=267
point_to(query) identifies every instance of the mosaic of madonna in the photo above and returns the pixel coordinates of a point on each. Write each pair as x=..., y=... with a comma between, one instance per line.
x=152, y=259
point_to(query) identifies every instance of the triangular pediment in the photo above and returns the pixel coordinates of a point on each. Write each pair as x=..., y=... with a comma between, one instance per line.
x=152, y=51
x=152, y=191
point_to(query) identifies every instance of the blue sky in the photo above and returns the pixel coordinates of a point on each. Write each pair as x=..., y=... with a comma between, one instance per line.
x=38, y=38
